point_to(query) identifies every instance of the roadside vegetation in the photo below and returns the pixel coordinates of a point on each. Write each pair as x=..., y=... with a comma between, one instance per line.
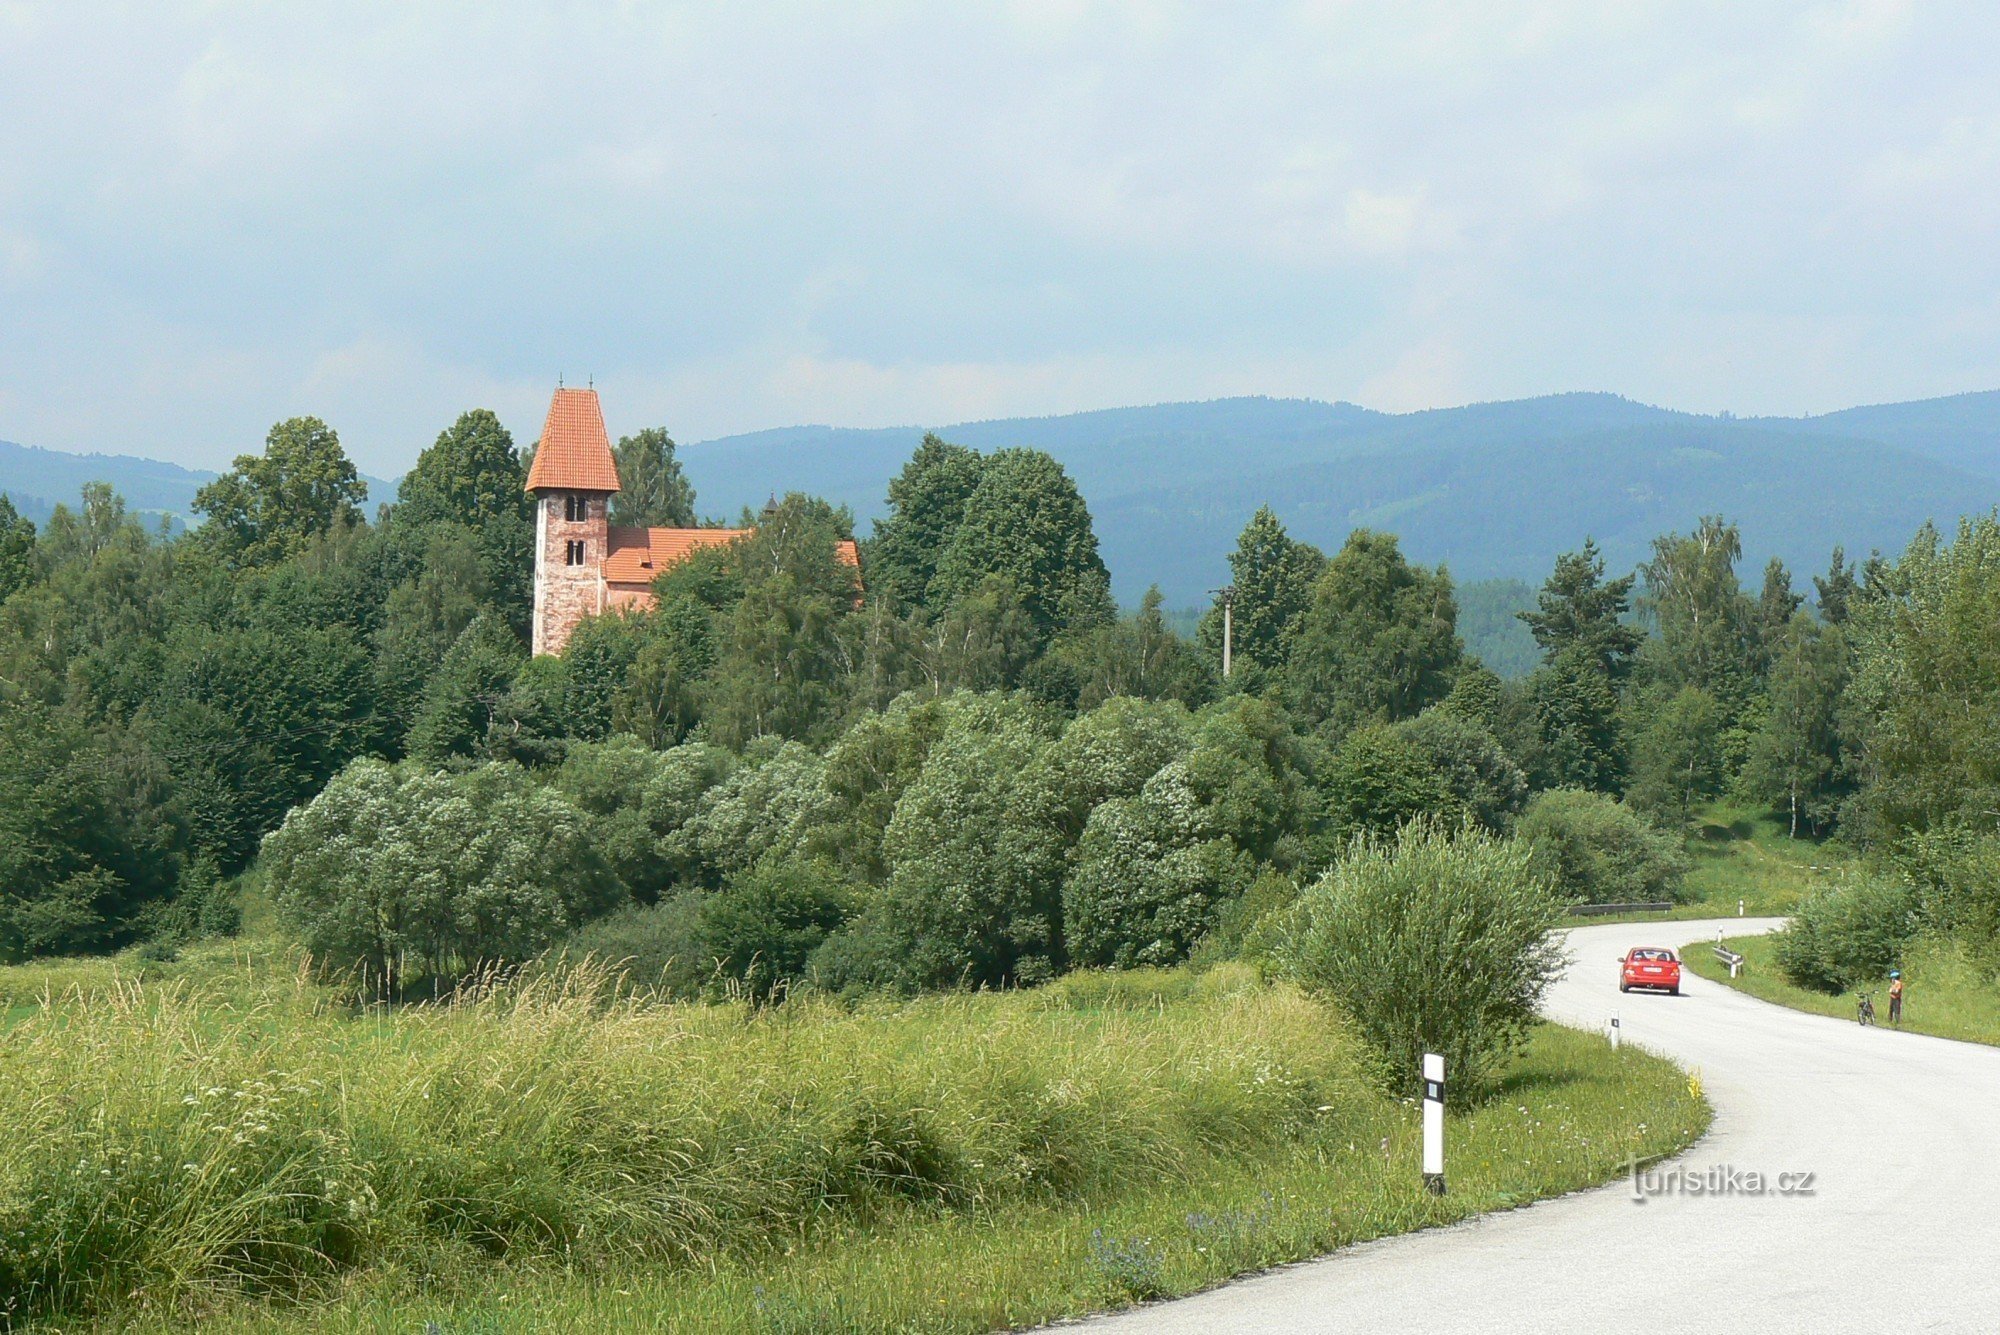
x=1949, y=994
x=253, y=1151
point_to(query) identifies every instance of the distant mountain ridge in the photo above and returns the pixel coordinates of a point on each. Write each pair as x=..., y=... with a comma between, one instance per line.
x=36, y=480
x=1495, y=490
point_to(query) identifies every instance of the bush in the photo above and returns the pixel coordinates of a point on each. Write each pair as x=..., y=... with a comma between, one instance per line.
x=763, y=927
x=392, y=869
x=1848, y=934
x=1600, y=851
x=1437, y=941
x=656, y=946
x=1481, y=777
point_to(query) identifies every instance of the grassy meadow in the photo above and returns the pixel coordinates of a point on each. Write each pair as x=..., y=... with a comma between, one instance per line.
x=217, y=1142
x=1945, y=994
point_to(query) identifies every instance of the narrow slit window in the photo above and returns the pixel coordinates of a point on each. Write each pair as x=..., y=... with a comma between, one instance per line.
x=576, y=509
x=573, y=552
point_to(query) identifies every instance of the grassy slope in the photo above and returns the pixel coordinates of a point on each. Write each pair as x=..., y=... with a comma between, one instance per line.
x=1110, y=1138
x=1741, y=856
x=1569, y=1118
x=1945, y=996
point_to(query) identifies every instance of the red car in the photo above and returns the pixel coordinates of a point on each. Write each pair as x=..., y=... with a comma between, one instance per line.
x=1650, y=966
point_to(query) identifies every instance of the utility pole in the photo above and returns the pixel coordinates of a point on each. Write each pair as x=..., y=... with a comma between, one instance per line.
x=1228, y=593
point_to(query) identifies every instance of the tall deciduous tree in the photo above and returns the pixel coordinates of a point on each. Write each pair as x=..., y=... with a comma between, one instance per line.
x=1272, y=577
x=1797, y=761
x=270, y=505
x=653, y=491
x=1379, y=641
x=471, y=475
x=1027, y=521
x=926, y=506
x=1707, y=625
x=1677, y=758
x=17, y=549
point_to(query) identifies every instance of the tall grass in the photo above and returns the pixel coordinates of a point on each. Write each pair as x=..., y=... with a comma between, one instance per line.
x=178, y=1146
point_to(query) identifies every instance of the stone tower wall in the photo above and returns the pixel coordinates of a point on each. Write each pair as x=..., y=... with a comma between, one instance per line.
x=564, y=593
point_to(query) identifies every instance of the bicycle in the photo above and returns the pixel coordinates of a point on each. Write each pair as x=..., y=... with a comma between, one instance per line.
x=1864, y=1010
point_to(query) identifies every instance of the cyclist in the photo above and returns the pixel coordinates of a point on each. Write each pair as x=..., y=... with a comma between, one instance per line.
x=1896, y=997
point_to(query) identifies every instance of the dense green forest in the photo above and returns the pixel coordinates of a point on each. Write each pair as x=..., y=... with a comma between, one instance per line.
x=972, y=770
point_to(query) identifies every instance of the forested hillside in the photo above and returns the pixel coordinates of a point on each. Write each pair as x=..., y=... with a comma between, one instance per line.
x=969, y=769
x=1494, y=490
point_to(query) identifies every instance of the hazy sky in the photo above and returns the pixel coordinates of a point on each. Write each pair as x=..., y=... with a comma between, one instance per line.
x=213, y=215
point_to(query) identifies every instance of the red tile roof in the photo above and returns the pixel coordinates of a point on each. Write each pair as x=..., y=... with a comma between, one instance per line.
x=575, y=453
x=638, y=555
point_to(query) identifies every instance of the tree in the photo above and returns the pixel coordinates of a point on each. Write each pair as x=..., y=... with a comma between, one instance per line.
x=399, y=871
x=471, y=478
x=269, y=506
x=1272, y=578
x=783, y=656
x=974, y=893
x=762, y=928
x=1135, y=655
x=926, y=507
x=1707, y=627
x=462, y=698
x=1579, y=738
x=87, y=840
x=1924, y=725
x=1378, y=641
x=1150, y=876
x=17, y=549
x=1482, y=779
x=1581, y=611
x=1027, y=521
x=653, y=491
x=1599, y=851
x=1837, y=590
x=1380, y=780
x=471, y=475
x=1797, y=761
x=423, y=618
x=1677, y=759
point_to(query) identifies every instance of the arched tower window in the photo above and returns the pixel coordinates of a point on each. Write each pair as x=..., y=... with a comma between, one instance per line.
x=576, y=509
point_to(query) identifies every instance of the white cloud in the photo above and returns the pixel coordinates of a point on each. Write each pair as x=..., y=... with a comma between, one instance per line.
x=215, y=215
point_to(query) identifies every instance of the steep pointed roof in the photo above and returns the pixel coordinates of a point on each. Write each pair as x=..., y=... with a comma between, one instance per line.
x=575, y=453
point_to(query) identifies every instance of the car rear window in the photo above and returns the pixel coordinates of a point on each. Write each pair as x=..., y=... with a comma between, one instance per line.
x=1645, y=954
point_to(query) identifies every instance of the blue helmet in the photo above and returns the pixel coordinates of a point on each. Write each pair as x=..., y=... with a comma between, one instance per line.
x=1895, y=973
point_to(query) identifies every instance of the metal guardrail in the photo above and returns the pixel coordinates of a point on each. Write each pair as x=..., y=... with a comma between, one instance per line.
x=1599, y=910
x=1729, y=957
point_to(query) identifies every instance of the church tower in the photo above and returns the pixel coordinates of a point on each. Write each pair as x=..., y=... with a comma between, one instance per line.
x=572, y=480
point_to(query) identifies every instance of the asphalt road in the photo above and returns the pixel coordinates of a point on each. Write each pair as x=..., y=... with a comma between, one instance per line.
x=1901, y=1233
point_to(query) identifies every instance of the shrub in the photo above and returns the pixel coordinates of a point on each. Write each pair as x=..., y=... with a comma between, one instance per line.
x=1150, y=877
x=763, y=927
x=1437, y=941
x=1378, y=780
x=392, y=867
x=1481, y=777
x=1600, y=851
x=1847, y=934
x=656, y=946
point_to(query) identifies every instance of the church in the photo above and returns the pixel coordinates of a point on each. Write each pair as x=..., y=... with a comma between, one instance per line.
x=584, y=566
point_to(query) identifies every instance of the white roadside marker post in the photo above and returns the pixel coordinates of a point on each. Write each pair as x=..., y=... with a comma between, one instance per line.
x=1739, y=908
x=1614, y=1031
x=1434, y=1123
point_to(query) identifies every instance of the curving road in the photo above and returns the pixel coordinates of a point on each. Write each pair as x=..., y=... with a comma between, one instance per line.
x=1902, y=1233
